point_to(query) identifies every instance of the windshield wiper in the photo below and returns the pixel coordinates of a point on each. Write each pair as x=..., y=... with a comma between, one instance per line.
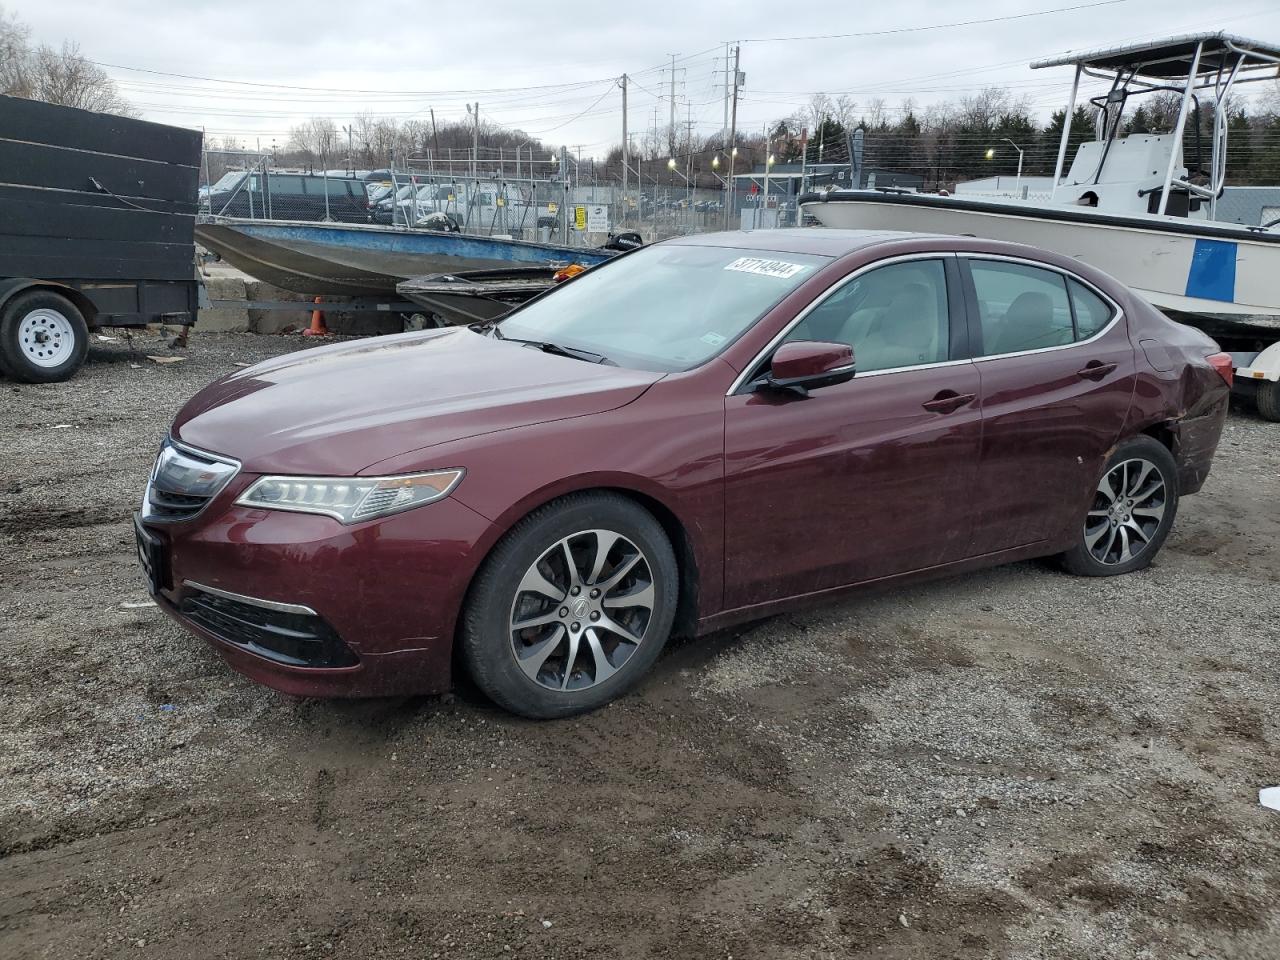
x=546, y=346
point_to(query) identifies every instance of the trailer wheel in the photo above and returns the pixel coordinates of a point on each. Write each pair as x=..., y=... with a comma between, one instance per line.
x=1269, y=400
x=43, y=337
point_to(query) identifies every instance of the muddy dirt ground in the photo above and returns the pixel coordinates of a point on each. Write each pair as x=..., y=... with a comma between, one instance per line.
x=1014, y=763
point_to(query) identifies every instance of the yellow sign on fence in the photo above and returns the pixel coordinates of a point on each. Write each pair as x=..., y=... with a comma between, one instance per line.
x=580, y=218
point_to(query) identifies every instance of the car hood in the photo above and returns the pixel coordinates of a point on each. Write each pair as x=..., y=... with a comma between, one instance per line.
x=339, y=409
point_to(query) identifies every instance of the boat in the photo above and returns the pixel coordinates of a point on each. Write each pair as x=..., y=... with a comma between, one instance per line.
x=478, y=295
x=1128, y=204
x=360, y=260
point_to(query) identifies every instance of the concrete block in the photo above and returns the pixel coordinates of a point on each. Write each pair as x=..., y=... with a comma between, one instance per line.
x=226, y=318
x=277, y=321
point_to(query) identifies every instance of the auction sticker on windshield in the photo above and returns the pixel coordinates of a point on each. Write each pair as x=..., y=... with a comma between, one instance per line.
x=767, y=268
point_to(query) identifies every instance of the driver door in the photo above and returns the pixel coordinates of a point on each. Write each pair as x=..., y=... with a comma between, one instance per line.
x=865, y=479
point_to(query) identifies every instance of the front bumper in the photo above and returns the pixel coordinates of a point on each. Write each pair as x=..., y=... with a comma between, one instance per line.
x=387, y=592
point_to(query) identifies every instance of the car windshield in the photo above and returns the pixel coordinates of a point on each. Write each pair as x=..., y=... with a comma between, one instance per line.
x=227, y=181
x=667, y=307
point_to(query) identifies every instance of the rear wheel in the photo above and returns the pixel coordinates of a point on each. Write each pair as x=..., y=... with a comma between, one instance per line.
x=43, y=337
x=572, y=607
x=1132, y=512
x=1268, y=399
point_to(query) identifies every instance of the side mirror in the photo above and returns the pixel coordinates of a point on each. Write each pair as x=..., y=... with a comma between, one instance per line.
x=803, y=365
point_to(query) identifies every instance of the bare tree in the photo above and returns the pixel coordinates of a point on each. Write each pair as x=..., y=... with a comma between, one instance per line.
x=877, y=113
x=14, y=65
x=815, y=111
x=844, y=110
x=316, y=139
x=1269, y=100
x=54, y=76
x=65, y=77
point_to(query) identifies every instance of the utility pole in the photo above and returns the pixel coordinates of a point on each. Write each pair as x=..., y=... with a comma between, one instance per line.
x=688, y=163
x=435, y=136
x=724, y=127
x=475, y=142
x=626, y=149
x=671, y=135
x=768, y=148
x=733, y=137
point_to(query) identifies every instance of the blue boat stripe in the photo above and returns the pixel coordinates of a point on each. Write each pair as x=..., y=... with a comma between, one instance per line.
x=1213, y=271
x=427, y=242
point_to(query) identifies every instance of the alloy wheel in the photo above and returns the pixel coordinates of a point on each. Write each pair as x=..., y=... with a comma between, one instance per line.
x=46, y=337
x=582, y=610
x=1127, y=512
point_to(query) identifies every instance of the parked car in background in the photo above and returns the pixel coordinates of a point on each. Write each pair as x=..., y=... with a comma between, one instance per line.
x=700, y=432
x=289, y=196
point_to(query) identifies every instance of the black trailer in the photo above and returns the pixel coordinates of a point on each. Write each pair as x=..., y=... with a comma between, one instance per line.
x=97, y=229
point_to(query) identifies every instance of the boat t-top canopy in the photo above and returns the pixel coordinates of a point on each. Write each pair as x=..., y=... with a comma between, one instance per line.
x=1187, y=64
x=1174, y=57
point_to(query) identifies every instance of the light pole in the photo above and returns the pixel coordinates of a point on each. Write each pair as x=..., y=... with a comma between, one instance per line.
x=991, y=152
x=724, y=184
x=675, y=168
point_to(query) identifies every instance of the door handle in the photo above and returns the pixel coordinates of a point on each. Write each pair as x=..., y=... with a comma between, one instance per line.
x=1095, y=370
x=948, y=401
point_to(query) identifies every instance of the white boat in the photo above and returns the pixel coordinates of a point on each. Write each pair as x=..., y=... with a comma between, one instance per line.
x=1129, y=205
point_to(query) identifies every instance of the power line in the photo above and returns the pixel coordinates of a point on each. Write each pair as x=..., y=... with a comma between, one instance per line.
x=935, y=26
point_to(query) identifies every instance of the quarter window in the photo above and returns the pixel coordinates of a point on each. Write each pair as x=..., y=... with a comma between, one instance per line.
x=893, y=316
x=1021, y=307
x=1091, y=311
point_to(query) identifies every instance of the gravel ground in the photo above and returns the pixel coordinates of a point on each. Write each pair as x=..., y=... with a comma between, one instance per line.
x=1014, y=763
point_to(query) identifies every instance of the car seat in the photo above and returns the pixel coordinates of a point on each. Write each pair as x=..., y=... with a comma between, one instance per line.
x=1028, y=325
x=905, y=334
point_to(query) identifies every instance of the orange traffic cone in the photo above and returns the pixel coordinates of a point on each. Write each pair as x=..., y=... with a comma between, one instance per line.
x=318, y=329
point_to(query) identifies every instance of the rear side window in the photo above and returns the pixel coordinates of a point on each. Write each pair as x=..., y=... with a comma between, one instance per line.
x=1021, y=307
x=1092, y=312
x=280, y=184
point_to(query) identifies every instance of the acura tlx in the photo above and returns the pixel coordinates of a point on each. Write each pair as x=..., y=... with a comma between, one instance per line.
x=700, y=432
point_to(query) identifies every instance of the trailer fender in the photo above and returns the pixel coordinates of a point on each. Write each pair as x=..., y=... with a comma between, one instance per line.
x=1265, y=366
x=10, y=287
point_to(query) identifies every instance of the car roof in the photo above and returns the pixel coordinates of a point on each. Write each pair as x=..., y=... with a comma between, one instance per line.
x=820, y=241
x=828, y=242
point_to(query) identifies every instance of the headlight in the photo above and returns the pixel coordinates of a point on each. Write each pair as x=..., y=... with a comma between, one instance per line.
x=351, y=499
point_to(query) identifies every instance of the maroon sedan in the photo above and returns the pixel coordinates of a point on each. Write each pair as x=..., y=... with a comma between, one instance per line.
x=701, y=432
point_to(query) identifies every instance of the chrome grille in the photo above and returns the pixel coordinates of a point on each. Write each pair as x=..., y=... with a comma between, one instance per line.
x=183, y=482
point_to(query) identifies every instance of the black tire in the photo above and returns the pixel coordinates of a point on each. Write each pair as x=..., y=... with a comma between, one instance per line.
x=1268, y=400
x=486, y=635
x=20, y=356
x=1082, y=561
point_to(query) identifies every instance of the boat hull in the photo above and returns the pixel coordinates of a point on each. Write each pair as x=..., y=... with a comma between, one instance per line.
x=476, y=297
x=358, y=260
x=1188, y=267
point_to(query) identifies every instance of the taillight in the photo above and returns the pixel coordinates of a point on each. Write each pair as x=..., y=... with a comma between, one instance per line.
x=1222, y=363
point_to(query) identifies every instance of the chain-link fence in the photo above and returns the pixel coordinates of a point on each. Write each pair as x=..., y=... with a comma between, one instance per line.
x=532, y=200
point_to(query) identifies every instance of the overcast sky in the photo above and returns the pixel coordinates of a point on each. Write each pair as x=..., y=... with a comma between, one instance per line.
x=534, y=67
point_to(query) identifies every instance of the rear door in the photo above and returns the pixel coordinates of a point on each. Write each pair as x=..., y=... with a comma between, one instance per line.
x=1057, y=375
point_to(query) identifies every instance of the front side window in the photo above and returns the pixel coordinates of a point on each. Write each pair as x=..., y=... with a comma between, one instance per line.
x=1020, y=307
x=667, y=307
x=892, y=316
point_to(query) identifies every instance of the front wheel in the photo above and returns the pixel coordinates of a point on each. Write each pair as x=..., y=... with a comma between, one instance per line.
x=572, y=607
x=1132, y=512
x=43, y=337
